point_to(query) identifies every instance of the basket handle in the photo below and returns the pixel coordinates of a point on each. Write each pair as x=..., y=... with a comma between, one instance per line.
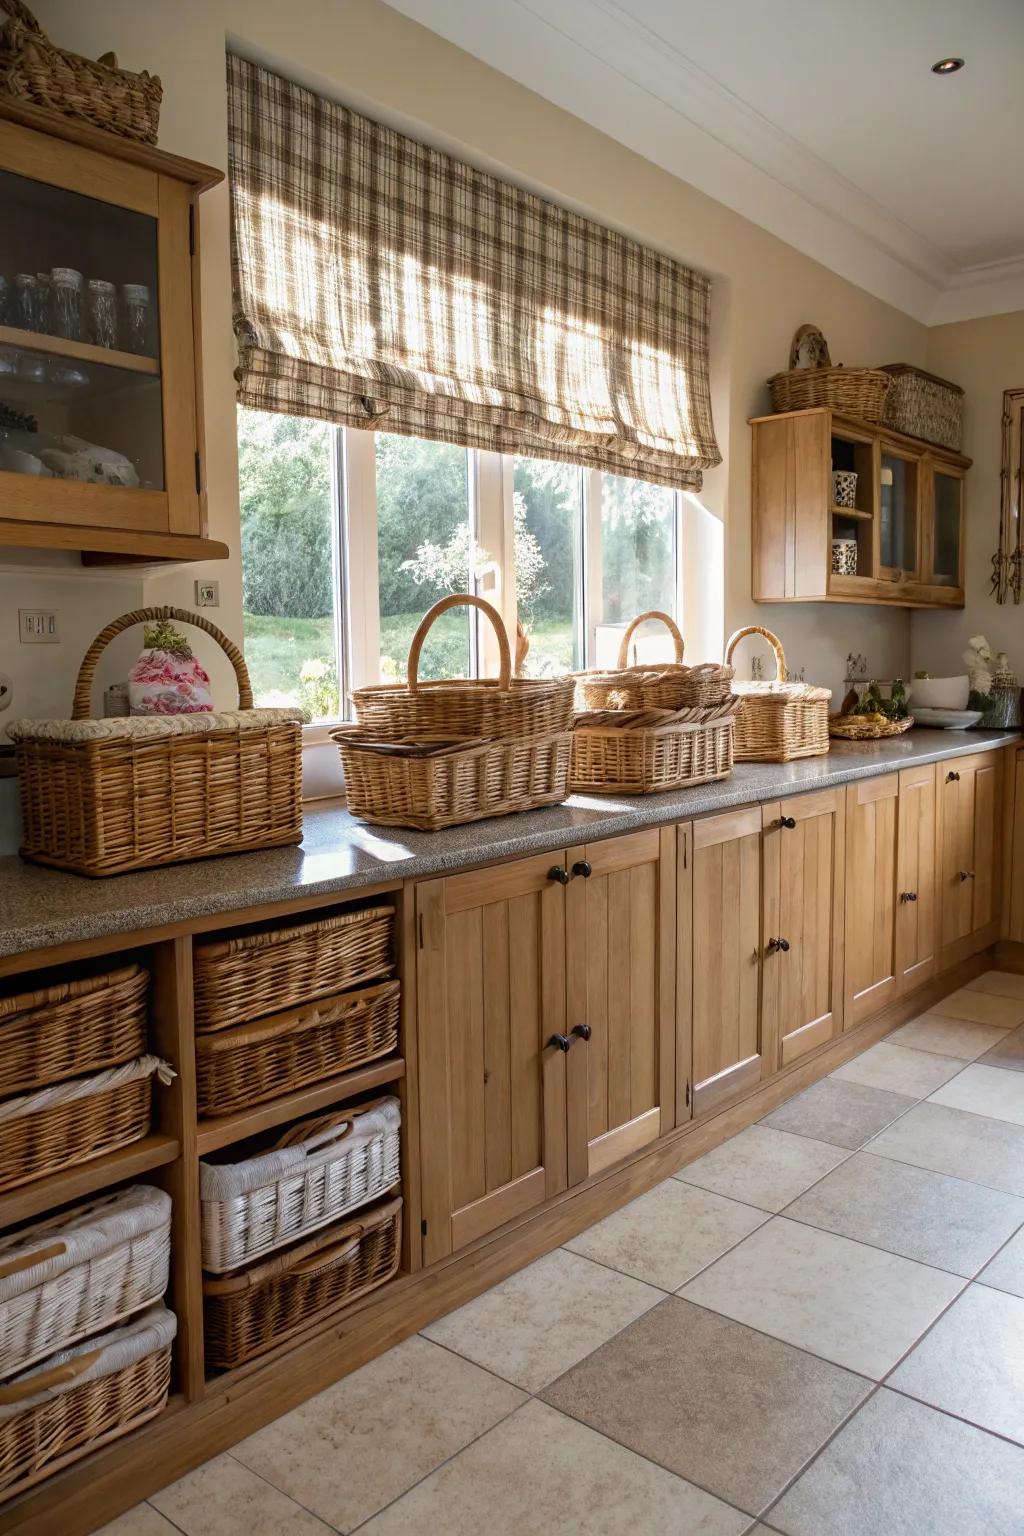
x=23, y=1261
x=332, y=1255
x=44, y=1381
x=653, y=613
x=21, y=13
x=773, y=641
x=80, y=709
x=457, y=600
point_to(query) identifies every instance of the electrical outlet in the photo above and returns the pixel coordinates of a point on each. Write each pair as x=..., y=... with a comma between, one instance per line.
x=37, y=626
x=207, y=594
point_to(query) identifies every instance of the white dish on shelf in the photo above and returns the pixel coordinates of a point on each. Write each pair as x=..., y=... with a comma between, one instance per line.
x=947, y=719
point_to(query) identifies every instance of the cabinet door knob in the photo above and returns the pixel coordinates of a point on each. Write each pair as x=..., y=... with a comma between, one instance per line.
x=966, y=874
x=908, y=895
x=952, y=778
x=559, y=874
x=775, y=945
x=582, y=1031
x=581, y=867
x=560, y=1042
x=787, y=821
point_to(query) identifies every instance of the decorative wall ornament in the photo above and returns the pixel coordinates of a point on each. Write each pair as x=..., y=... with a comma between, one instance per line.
x=809, y=349
x=1008, y=561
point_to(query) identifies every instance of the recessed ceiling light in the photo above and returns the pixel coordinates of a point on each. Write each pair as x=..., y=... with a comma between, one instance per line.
x=947, y=66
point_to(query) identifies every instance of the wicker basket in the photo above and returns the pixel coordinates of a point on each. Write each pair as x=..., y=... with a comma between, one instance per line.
x=451, y=783
x=857, y=392
x=266, y=972
x=101, y=797
x=71, y=1123
x=702, y=687
x=464, y=709
x=779, y=721
x=923, y=405
x=34, y=70
x=83, y=1398
x=318, y=1171
x=72, y=1028
x=629, y=753
x=256, y=1062
x=80, y=1272
x=623, y=687
x=246, y=1314
x=857, y=728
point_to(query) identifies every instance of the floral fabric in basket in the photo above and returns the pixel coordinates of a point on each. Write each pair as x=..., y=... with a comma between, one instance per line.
x=167, y=679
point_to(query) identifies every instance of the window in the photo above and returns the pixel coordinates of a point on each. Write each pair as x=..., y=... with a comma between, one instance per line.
x=348, y=537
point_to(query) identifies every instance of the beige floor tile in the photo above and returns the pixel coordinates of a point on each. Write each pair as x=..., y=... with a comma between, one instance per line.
x=223, y=1498
x=143, y=1520
x=540, y=1473
x=763, y=1167
x=848, y=1303
x=1006, y=1271
x=914, y=1073
x=1007, y=1052
x=981, y=1008
x=963, y=1145
x=726, y=1407
x=1002, y=983
x=846, y=1114
x=987, y=1091
x=669, y=1234
x=946, y=1037
x=925, y=1216
x=972, y=1363
x=353, y=1449
x=539, y=1322
x=901, y=1469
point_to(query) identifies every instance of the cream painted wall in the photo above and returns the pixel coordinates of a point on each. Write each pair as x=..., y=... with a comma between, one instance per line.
x=984, y=357
x=378, y=61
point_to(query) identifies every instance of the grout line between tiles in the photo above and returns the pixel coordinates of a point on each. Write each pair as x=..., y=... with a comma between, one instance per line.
x=159, y=1512
x=271, y=1484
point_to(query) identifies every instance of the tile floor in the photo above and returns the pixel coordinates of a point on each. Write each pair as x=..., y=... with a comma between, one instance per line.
x=817, y=1329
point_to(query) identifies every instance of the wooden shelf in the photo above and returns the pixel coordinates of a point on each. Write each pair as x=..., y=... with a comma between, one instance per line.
x=853, y=512
x=124, y=545
x=81, y=351
x=73, y=1183
x=225, y=1129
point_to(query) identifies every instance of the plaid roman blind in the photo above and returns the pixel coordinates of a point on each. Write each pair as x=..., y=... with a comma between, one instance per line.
x=380, y=283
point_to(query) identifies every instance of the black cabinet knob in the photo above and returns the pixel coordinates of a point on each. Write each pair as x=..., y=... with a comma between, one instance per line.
x=788, y=822
x=581, y=867
x=559, y=874
x=776, y=945
x=582, y=1031
x=560, y=1042
x=966, y=874
x=952, y=778
x=908, y=895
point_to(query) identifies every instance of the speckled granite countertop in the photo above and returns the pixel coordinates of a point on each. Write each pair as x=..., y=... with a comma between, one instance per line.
x=40, y=907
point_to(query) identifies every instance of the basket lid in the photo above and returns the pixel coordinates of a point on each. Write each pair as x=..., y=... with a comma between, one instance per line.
x=148, y=727
x=90, y=1360
x=896, y=369
x=39, y=1254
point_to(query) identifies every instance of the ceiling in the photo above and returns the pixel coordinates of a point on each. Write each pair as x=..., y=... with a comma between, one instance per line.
x=818, y=119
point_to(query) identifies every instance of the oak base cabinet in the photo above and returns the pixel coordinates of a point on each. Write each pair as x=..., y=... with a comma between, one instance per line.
x=970, y=868
x=872, y=814
x=916, y=914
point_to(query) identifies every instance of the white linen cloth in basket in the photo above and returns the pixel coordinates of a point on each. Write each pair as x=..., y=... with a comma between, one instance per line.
x=81, y=1271
x=253, y=1207
x=115, y=1351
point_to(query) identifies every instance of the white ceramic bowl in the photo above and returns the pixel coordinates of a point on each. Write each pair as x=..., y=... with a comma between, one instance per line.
x=941, y=692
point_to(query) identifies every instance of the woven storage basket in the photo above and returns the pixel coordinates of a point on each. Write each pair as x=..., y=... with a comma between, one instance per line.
x=778, y=722
x=250, y=1312
x=857, y=392
x=702, y=687
x=101, y=797
x=318, y=1171
x=80, y=1272
x=449, y=784
x=623, y=687
x=464, y=709
x=256, y=1062
x=72, y=1028
x=923, y=405
x=73, y=1122
x=83, y=1398
x=648, y=753
x=856, y=728
x=253, y=974
x=32, y=68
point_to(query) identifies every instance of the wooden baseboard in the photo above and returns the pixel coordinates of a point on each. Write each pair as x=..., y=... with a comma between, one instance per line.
x=1009, y=956
x=103, y=1485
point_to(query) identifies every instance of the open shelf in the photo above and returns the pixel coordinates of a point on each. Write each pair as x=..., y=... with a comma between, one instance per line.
x=853, y=512
x=225, y=1129
x=67, y=1184
x=81, y=351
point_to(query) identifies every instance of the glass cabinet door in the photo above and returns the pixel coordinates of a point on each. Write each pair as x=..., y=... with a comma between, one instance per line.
x=947, y=500
x=898, y=550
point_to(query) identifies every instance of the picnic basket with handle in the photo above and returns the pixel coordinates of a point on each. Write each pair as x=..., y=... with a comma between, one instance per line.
x=621, y=687
x=103, y=796
x=251, y=1311
x=84, y=1397
x=95, y=90
x=71, y=1028
x=778, y=721
x=465, y=709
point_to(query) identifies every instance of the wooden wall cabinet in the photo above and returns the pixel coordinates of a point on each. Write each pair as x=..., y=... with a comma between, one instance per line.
x=116, y=369
x=970, y=866
x=907, y=522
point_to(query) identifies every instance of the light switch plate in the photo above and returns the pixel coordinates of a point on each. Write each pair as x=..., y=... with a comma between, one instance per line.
x=37, y=626
x=207, y=594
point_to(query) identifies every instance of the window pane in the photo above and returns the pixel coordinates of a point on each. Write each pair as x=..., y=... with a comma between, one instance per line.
x=638, y=564
x=288, y=583
x=424, y=552
x=548, y=501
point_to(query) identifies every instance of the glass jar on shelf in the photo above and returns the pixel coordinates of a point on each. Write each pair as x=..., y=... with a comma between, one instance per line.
x=27, y=308
x=102, y=313
x=66, y=303
x=136, y=319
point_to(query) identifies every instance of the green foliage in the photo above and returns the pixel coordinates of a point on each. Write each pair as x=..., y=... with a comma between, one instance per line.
x=318, y=688
x=284, y=473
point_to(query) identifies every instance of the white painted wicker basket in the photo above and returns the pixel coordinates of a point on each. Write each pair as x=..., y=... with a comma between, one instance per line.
x=75, y=1274
x=317, y=1172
